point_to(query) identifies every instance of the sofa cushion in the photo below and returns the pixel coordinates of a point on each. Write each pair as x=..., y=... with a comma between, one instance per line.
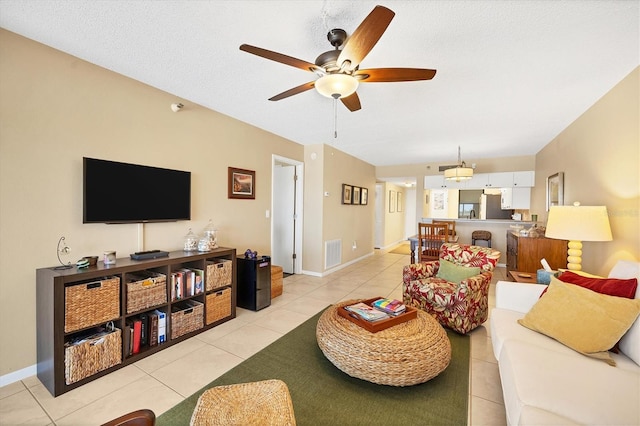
x=588, y=322
x=566, y=385
x=455, y=273
x=504, y=327
x=611, y=286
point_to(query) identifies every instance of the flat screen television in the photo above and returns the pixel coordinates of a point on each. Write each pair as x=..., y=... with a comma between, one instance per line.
x=115, y=192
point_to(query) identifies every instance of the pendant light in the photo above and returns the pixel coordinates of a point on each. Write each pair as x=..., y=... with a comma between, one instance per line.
x=460, y=172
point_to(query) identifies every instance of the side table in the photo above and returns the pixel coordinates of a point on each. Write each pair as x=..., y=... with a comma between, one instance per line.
x=524, y=277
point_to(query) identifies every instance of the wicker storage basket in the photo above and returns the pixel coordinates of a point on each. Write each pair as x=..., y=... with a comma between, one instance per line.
x=186, y=317
x=94, y=353
x=219, y=273
x=276, y=281
x=92, y=303
x=146, y=289
x=218, y=305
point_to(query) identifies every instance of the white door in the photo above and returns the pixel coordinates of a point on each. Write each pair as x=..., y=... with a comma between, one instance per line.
x=286, y=215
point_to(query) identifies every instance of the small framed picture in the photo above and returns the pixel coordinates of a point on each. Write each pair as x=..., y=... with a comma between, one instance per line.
x=356, y=195
x=364, y=196
x=241, y=183
x=392, y=201
x=399, y=207
x=555, y=190
x=346, y=193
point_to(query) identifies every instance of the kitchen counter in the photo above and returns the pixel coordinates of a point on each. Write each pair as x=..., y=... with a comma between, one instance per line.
x=497, y=227
x=509, y=221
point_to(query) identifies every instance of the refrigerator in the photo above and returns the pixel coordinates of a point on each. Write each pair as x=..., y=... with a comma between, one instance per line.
x=490, y=208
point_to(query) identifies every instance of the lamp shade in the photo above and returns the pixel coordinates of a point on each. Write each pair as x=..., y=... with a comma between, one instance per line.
x=458, y=173
x=336, y=85
x=579, y=223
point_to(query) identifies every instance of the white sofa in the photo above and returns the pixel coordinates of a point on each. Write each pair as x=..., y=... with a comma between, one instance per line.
x=547, y=383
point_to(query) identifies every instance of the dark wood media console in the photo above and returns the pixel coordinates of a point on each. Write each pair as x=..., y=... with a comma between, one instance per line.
x=54, y=289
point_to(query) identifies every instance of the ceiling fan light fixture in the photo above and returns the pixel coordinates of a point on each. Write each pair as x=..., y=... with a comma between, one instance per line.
x=336, y=86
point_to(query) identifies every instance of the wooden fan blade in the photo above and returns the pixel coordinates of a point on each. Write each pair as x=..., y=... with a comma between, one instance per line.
x=352, y=102
x=384, y=75
x=365, y=36
x=279, y=57
x=299, y=89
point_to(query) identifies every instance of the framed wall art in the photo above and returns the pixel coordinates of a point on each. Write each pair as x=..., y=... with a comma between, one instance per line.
x=392, y=201
x=555, y=190
x=364, y=196
x=241, y=184
x=355, y=198
x=346, y=193
x=399, y=206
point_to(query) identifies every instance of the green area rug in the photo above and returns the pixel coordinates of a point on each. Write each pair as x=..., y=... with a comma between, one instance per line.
x=324, y=395
x=402, y=249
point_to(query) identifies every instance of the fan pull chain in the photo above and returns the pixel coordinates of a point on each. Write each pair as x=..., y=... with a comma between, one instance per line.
x=335, y=118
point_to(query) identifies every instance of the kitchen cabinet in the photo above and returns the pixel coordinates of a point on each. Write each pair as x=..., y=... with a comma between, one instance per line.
x=524, y=179
x=438, y=181
x=515, y=198
x=521, y=179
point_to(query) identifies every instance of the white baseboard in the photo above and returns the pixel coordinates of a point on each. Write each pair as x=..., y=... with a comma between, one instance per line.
x=15, y=376
x=337, y=268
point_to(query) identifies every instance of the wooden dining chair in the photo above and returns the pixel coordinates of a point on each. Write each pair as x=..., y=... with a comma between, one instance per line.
x=431, y=236
x=453, y=237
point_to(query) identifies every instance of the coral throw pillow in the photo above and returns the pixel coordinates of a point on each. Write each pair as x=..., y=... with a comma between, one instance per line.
x=584, y=320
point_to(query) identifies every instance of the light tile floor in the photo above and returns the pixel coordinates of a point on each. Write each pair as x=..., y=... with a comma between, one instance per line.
x=162, y=380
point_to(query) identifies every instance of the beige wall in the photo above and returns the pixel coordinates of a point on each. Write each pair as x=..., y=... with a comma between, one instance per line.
x=393, y=221
x=56, y=109
x=326, y=218
x=599, y=154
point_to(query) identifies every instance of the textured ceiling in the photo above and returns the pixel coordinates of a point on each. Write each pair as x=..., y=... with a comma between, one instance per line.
x=511, y=74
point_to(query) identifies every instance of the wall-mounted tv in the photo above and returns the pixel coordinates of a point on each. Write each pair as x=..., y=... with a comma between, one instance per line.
x=115, y=192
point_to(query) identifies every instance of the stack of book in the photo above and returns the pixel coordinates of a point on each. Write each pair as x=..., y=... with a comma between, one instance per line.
x=380, y=309
x=390, y=306
x=145, y=330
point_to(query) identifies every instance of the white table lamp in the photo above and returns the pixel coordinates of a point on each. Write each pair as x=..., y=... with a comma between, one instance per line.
x=578, y=223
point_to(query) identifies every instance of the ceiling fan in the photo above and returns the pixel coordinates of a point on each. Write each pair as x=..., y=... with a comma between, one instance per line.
x=339, y=69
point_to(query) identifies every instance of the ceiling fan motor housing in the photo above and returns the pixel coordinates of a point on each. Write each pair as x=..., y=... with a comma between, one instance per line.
x=337, y=37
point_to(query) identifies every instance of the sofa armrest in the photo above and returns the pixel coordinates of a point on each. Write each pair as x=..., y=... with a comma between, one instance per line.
x=517, y=297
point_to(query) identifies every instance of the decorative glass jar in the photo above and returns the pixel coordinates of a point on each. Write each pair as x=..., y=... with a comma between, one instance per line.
x=209, y=240
x=190, y=241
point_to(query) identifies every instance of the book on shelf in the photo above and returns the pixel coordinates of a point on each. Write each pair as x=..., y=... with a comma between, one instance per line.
x=127, y=337
x=390, y=306
x=199, y=281
x=144, y=329
x=153, y=329
x=162, y=326
x=177, y=285
x=189, y=278
x=137, y=331
x=367, y=312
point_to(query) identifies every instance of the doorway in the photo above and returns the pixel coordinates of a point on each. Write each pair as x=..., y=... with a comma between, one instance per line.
x=286, y=214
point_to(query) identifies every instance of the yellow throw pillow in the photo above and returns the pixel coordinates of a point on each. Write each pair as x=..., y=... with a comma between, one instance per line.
x=586, y=321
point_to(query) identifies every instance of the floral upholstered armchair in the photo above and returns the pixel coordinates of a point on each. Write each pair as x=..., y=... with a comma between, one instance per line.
x=455, y=288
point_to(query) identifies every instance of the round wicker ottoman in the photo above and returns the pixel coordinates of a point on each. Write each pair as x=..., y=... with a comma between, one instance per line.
x=403, y=355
